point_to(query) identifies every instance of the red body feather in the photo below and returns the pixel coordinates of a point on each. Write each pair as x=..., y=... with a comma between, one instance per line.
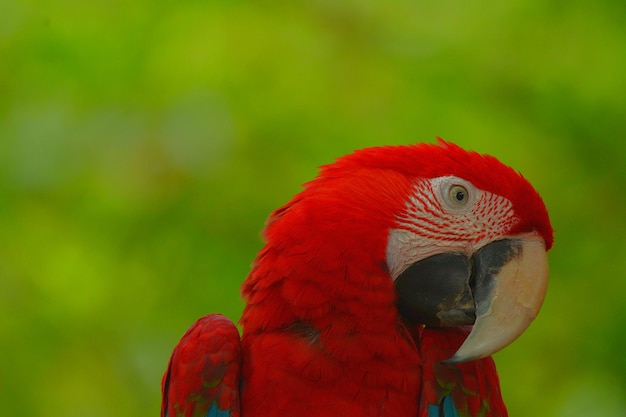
x=322, y=336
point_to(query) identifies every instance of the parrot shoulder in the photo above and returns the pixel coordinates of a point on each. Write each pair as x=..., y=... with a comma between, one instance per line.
x=202, y=377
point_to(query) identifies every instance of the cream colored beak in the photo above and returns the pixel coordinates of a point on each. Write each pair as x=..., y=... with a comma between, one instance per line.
x=509, y=301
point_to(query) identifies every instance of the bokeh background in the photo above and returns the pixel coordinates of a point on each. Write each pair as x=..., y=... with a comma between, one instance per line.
x=143, y=143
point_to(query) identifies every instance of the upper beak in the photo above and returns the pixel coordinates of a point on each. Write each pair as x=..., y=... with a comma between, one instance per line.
x=499, y=289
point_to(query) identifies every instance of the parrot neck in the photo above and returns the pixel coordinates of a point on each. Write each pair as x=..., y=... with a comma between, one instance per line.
x=350, y=300
x=333, y=334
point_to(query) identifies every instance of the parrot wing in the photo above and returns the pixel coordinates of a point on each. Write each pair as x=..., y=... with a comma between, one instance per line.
x=202, y=378
x=469, y=389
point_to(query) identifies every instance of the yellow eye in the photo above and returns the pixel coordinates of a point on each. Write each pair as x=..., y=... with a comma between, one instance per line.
x=458, y=195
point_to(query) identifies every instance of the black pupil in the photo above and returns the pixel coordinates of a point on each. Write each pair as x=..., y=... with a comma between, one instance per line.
x=459, y=195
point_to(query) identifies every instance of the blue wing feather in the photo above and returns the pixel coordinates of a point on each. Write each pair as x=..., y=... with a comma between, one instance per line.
x=214, y=411
x=445, y=409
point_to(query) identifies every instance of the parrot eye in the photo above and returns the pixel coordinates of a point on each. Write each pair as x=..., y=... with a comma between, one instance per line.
x=455, y=193
x=458, y=195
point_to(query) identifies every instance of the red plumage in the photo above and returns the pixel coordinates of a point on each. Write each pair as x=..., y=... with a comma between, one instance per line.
x=474, y=386
x=204, y=370
x=321, y=332
x=323, y=271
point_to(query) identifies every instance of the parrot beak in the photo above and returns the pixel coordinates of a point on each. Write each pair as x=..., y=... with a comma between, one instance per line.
x=507, y=300
x=499, y=290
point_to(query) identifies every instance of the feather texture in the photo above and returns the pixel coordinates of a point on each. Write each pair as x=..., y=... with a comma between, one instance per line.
x=202, y=378
x=470, y=389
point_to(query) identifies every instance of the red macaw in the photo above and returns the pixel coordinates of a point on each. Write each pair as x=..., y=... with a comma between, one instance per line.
x=383, y=289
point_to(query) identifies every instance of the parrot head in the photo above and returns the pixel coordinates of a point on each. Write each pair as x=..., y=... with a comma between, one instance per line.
x=461, y=238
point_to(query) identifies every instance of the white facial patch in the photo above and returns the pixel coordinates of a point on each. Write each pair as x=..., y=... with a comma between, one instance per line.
x=443, y=215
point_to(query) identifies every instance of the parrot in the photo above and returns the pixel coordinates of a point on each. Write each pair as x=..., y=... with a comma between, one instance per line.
x=383, y=289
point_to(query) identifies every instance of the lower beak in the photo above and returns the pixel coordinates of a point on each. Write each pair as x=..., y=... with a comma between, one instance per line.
x=499, y=290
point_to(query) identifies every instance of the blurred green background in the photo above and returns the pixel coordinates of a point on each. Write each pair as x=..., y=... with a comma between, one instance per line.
x=143, y=143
